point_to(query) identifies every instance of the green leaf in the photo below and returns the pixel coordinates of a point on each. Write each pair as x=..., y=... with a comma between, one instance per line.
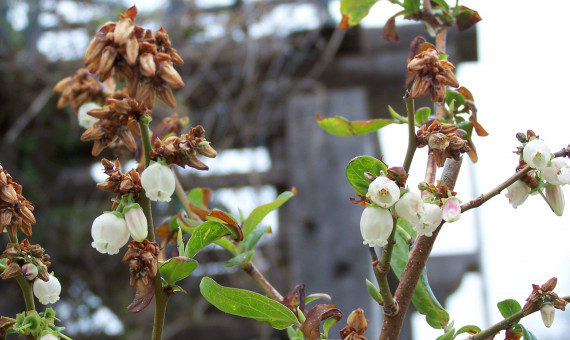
x=177, y=268
x=341, y=127
x=3, y=264
x=312, y=297
x=397, y=116
x=527, y=335
x=443, y=4
x=252, y=239
x=509, y=307
x=358, y=166
x=466, y=18
x=260, y=212
x=241, y=259
x=205, y=234
x=412, y=6
x=327, y=326
x=199, y=197
x=471, y=329
x=247, y=304
x=355, y=10
x=447, y=336
x=373, y=291
x=226, y=244
x=422, y=115
x=451, y=95
x=423, y=299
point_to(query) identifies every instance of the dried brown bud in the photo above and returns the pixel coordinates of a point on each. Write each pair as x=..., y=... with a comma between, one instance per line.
x=357, y=321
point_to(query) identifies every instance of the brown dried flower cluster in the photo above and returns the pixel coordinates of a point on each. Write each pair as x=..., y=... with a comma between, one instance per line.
x=22, y=253
x=543, y=294
x=142, y=258
x=183, y=150
x=118, y=121
x=145, y=61
x=83, y=88
x=444, y=140
x=118, y=182
x=357, y=324
x=430, y=74
x=15, y=210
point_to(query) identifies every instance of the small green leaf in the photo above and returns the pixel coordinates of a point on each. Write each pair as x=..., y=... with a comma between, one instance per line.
x=252, y=239
x=358, y=166
x=412, y=6
x=397, y=116
x=241, y=259
x=422, y=115
x=312, y=297
x=443, y=4
x=205, y=234
x=373, y=291
x=471, y=329
x=327, y=326
x=341, y=127
x=199, y=197
x=447, y=336
x=3, y=264
x=509, y=307
x=180, y=242
x=177, y=268
x=260, y=212
x=527, y=335
x=226, y=244
x=466, y=18
x=451, y=95
x=247, y=304
x=355, y=10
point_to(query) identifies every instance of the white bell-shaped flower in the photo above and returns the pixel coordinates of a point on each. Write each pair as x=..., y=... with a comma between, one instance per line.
x=136, y=221
x=86, y=121
x=431, y=220
x=158, y=182
x=109, y=232
x=537, y=154
x=451, y=210
x=558, y=173
x=48, y=337
x=547, y=312
x=376, y=225
x=555, y=198
x=517, y=193
x=383, y=192
x=411, y=208
x=47, y=292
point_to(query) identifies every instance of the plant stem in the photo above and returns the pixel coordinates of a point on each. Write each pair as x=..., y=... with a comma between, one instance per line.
x=411, y=132
x=381, y=268
x=265, y=285
x=25, y=286
x=161, y=300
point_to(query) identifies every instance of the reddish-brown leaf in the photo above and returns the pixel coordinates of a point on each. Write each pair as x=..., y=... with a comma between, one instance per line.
x=465, y=93
x=230, y=223
x=478, y=128
x=132, y=13
x=311, y=326
x=143, y=296
x=344, y=23
x=511, y=335
x=466, y=18
x=414, y=46
x=295, y=298
x=389, y=32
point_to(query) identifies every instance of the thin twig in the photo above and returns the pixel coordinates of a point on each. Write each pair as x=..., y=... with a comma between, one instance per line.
x=412, y=144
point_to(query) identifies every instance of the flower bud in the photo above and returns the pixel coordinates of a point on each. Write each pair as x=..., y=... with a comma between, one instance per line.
x=86, y=121
x=30, y=271
x=158, y=182
x=431, y=220
x=555, y=198
x=383, y=191
x=536, y=154
x=48, y=337
x=517, y=193
x=558, y=173
x=109, y=232
x=376, y=225
x=411, y=208
x=397, y=173
x=47, y=292
x=357, y=321
x=451, y=209
x=547, y=312
x=136, y=222
x=205, y=149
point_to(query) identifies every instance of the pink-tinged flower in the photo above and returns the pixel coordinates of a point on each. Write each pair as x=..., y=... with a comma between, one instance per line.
x=558, y=173
x=109, y=232
x=431, y=220
x=376, y=225
x=451, y=209
x=158, y=182
x=517, y=193
x=383, y=192
x=136, y=222
x=47, y=292
x=555, y=198
x=411, y=208
x=29, y=271
x=537, y=154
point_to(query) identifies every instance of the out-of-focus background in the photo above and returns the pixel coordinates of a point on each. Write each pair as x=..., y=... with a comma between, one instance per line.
x=256, y=73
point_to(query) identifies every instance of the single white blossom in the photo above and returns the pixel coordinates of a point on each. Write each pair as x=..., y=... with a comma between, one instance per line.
x=376, y=225
x=109, y=232
x=158, y=182
x=411, y=208
x=555, y=198
x=136, y=222
x=451, y=209
x=558, y=173
x=547, y=312
x=536, y=154
x=85, y=120
x=47, y=292
x=431, y=220
x=383, y=192
x=517, y=193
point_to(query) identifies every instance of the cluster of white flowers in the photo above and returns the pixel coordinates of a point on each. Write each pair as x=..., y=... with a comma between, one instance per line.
x=111, y=230
x=556, y=172
x=377, y=221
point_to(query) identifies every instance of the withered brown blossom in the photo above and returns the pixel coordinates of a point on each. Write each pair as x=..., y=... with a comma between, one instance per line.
x=118, y=182
x=183, y=150
x=18, y=254
x=118, y=121
x=444, y=140
x=431, y=75
x=142, y=258
x=357, y=324
x=15, y=210
x=83, y=88
x=543, y=294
